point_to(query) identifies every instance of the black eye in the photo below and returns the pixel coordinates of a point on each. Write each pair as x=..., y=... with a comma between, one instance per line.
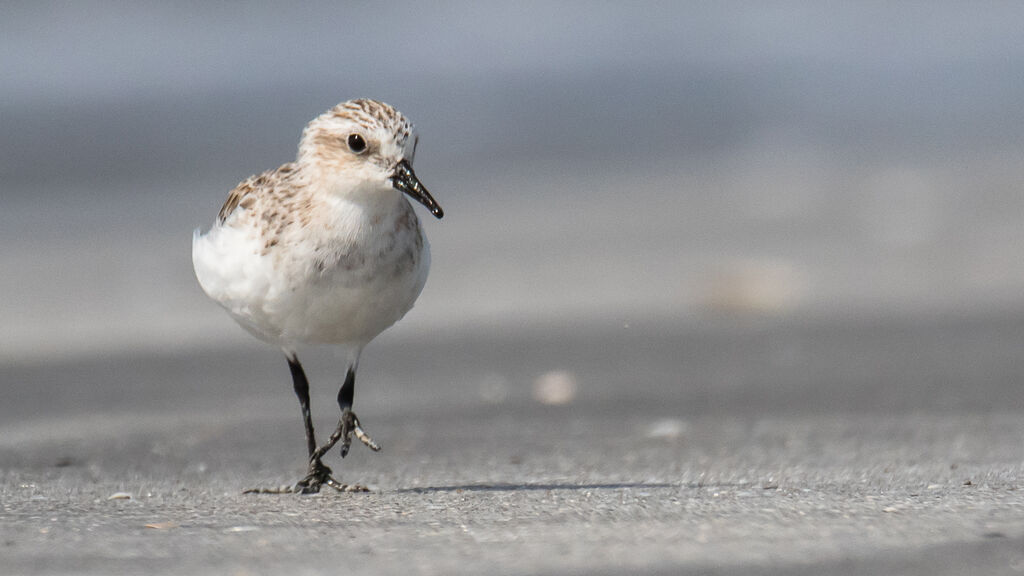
x=356, y=143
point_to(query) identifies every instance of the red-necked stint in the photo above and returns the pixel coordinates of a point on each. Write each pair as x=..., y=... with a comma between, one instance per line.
x=324, y=250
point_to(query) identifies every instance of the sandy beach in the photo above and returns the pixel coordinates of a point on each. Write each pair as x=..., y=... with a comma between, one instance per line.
x=891, y=446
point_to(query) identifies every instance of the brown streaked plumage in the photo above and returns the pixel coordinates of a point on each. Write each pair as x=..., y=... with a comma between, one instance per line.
x=244, y=195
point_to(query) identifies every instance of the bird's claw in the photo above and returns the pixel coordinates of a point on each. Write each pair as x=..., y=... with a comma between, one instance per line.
x=319, y=475
x=348, y=426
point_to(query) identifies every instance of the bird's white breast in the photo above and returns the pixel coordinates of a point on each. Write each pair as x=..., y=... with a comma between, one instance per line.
x=342, y=279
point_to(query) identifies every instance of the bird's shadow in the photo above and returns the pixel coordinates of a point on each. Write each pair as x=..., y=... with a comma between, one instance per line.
x=530, y=487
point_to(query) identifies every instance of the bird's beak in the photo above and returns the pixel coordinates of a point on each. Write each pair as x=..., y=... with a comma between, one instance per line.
x=405, y=180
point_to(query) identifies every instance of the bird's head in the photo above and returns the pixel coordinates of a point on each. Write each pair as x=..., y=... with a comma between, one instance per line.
x=365, y=147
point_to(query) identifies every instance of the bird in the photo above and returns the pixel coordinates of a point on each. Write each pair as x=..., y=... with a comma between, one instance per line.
x=326, y=249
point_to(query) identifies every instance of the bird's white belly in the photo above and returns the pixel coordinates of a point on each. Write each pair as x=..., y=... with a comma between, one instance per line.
x=297, y=298
x=338, y=310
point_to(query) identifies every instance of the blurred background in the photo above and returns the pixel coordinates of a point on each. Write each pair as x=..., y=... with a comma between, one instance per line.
x=751, y=274
x=600, y=164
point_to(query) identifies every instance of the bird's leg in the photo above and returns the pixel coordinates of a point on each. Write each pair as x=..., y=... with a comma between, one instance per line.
x=301, y=385
x=349, y=422
x=319, y=474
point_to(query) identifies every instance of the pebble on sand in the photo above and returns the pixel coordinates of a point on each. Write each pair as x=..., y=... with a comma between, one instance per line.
x=666, y=429
x=555, y=388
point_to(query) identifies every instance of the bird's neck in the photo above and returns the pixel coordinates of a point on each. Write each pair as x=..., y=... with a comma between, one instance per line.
x=362, y=212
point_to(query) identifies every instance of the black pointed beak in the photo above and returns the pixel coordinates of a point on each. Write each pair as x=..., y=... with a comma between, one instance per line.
x=405, y=180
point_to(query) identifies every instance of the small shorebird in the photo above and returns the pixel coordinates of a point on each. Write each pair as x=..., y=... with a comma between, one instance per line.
x=324, y=250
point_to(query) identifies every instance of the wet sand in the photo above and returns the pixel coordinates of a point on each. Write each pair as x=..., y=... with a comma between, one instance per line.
x=727, y=447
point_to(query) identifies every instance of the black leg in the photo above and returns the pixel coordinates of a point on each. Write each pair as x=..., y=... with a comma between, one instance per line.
x=348, y=390
x=301, y=385
x=348, y=426
x=319, y=474
x=349, y=422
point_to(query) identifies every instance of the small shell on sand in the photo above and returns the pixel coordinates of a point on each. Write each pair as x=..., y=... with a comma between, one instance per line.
x=555, y=388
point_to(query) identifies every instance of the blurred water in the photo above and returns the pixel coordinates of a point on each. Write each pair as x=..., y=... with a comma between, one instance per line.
x=596, y=162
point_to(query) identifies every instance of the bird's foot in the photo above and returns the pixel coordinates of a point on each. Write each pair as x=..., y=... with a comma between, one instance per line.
x=319, y=475
x=348, y=426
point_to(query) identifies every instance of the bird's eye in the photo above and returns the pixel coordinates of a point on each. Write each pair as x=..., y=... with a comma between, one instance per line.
x=356, y=143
